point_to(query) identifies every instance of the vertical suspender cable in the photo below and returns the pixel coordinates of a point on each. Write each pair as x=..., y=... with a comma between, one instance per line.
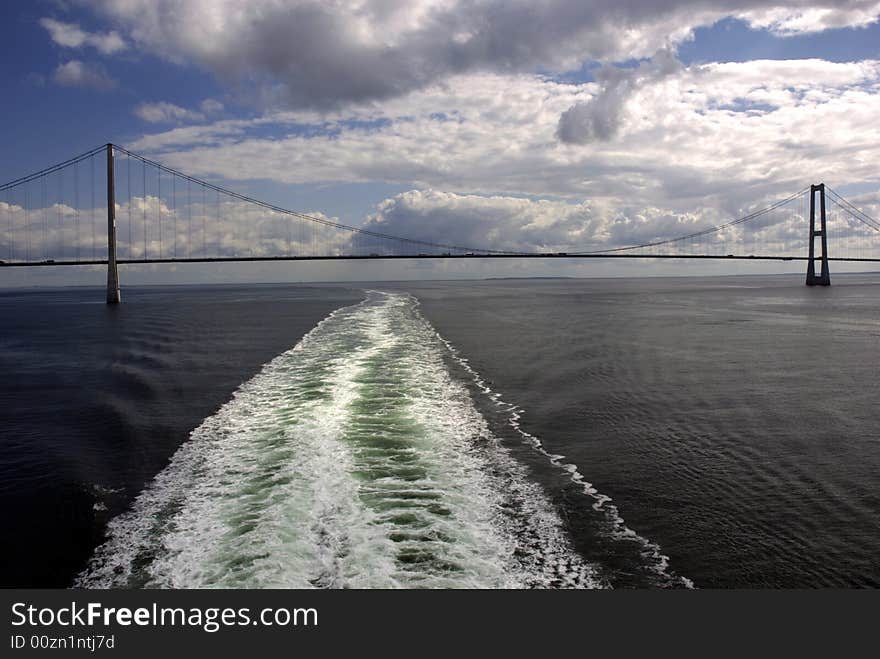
x=189, y=230
x=204, y=219
x=9, y=213
x=94, y=232
x=128, y=177
x=159, y=206
x=43, y=204
x=27, y=220
x=76, y=205
x=144, y=203
x=60, y=206
x=174, y=209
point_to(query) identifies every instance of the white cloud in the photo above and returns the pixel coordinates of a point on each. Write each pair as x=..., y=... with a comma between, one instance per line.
x=211, y=106
x=203, y=225
x=76, y=73
x=310, y=53
x=719, y=133
x=497, y=222
x=441, y=96
x=163, y=112
x=70, y=35
x=601, y=116
x=647, y=151
x=524, y=225
x=792, y=21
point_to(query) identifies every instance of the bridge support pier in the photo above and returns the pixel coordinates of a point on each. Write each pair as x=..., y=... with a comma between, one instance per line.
x=113, y=294
x=824, y=276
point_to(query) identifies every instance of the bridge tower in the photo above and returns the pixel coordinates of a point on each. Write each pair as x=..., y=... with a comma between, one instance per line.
x=113, y=295
x=824, y=276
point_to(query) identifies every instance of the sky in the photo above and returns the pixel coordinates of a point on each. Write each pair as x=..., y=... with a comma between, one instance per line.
x=504, y=122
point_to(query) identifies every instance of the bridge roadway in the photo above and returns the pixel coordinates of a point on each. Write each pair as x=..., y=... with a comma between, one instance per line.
x=376, y=257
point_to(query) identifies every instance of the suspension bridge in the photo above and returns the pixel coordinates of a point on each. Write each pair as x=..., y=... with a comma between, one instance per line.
x=110, y=206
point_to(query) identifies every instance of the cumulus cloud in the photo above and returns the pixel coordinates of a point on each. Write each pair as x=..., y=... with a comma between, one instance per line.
x=200, y=225
x=789, y=22
x=76, y=73
x=497, y=222
x=523, y=225
x=600, y=117
x=211, y=106
x=310, y=53
x=70, y=35
x=718, y=133
x=657, y=148
x=164, y=112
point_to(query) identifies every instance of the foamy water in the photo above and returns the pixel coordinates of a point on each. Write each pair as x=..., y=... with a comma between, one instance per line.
x=355, y=459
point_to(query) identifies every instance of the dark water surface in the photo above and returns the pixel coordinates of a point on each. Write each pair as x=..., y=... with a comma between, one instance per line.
x=734, y=421
x=94, y=399
x=416, y=436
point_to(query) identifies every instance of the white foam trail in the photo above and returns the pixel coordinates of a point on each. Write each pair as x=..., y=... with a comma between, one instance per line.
x=353, y=460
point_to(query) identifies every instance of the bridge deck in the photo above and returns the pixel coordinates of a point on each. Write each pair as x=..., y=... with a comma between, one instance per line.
x=253, y=259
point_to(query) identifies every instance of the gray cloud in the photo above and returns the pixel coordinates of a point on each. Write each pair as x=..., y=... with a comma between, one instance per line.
x=515, y=224
x=164, y=112
x=503, y=223
x=70, y=35
x=600, y=118
x=235, y=228
x=76, y=73
x=498, y=137
x=322, y=55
